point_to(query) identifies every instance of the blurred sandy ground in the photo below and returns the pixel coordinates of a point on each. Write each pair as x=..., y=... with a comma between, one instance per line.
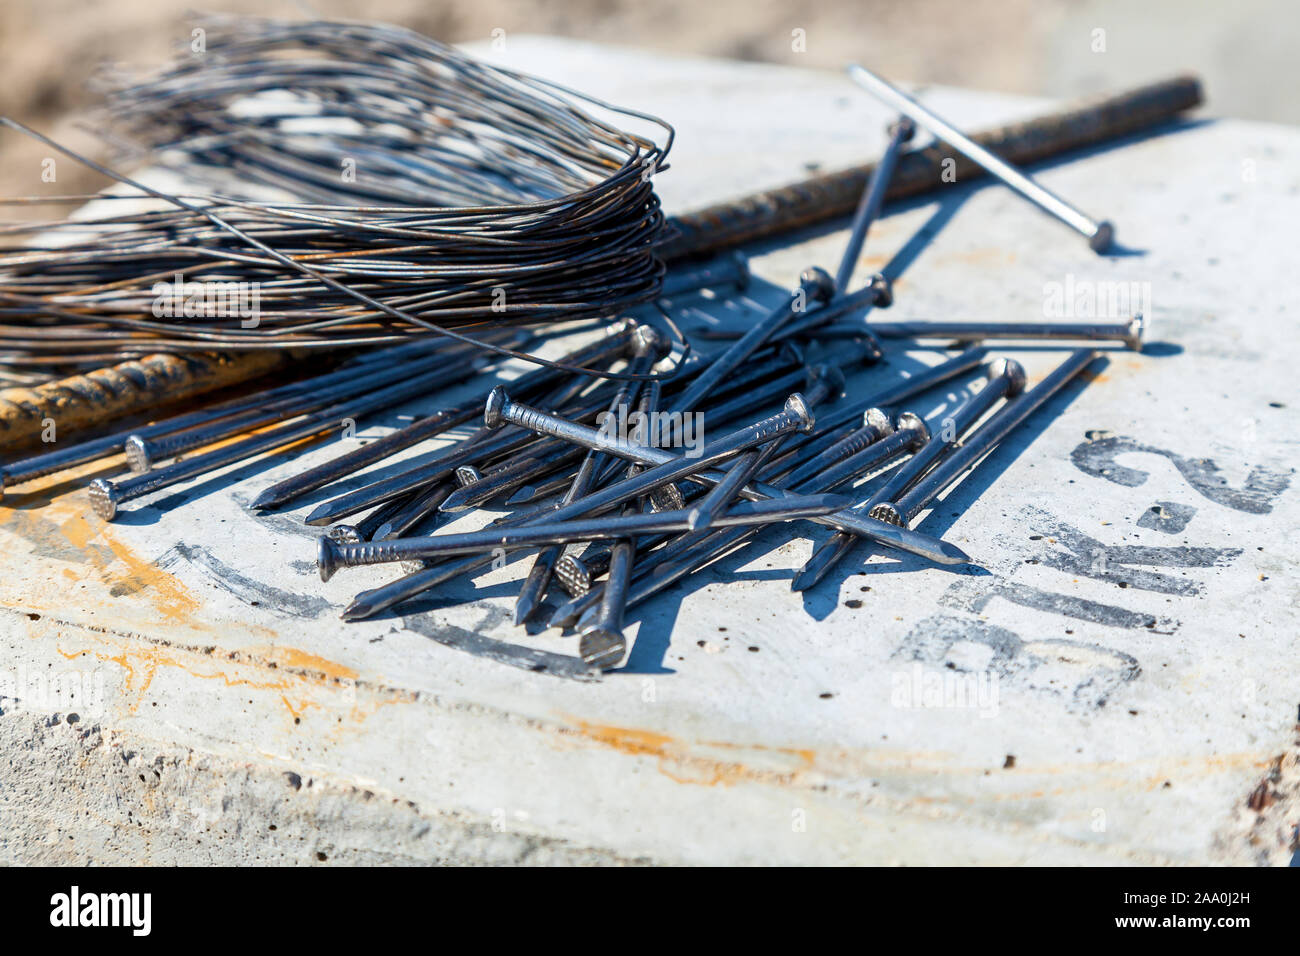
x=50, y=49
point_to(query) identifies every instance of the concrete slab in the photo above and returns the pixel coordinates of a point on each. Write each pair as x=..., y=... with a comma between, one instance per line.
x=1117, y=685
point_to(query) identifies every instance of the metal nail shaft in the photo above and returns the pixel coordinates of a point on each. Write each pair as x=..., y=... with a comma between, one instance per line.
x=333, y=555
x=814, y=285
x=435, y=424
x=500, y=407
x=1006, y=378
x=873, y=197
x=1099, y=234
x=988, y=436
x=105, y=495
x=1130, y=333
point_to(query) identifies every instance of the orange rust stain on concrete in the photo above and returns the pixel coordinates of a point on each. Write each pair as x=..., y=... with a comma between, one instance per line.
x=987, y=256
x=1142, y=774
x=1088, y=375
x=292, y=657
x=686, y=763
x=300, y=680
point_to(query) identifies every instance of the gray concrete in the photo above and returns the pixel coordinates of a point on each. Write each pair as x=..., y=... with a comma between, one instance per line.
x=1139, y=706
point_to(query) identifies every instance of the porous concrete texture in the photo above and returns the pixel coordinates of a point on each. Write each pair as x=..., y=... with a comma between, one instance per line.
x=1116, y=683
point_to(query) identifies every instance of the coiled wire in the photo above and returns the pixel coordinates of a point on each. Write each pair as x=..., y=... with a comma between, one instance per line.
x=458, y=193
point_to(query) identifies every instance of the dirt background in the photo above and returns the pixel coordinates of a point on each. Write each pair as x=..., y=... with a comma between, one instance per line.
x=51, y=49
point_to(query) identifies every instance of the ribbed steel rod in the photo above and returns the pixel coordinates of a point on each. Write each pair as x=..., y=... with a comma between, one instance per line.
x=829, y=196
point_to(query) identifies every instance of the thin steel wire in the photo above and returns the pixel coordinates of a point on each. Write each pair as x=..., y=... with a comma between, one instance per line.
x=482, y=195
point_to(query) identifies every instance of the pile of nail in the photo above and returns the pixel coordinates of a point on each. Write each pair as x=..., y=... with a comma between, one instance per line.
x=590, y=460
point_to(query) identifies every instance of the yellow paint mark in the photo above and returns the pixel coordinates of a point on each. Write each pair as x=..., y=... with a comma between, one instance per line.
x=168, y=596
x=64, y=528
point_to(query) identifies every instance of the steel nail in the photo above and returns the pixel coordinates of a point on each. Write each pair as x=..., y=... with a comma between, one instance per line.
x=873, y=197
x=814, y=285
x=47, y=463
x=602, y=643
x=690, y=551
x=106, y=496
x=340, y=467
x=585, y=593
x=1006, y=378
x=142, y=451
x=875, y=426
x=426, y=473
x=648, y=348
x=500, y=408
x=985, y=438
x=331, y=555
x=1100, y=235
x=1130, y=333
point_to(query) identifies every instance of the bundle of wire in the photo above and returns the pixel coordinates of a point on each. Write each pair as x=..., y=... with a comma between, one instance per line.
x=367, y=182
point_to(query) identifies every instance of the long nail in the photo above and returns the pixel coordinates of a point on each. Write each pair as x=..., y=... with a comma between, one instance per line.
x=331, y=471
x=985, y=438
x=426, y=473
x=900, y=391
x=602, y=643
x=577, y=573
x=47, y=463
x=648, y=348
x=500, y=408
x=1006, y=378
x=670, y=466
x=1099, y=234
x=1130, y=333
x=814, y=285
x=142, y=451
x=693, y=550
x=873, y=197
x=875, y=426
x=332, y=555
x=106, y=496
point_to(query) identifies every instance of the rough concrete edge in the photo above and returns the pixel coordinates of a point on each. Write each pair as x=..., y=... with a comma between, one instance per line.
x=1264, y=826
x=80, y=795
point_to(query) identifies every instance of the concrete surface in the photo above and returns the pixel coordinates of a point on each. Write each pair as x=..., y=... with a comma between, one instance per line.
x=182, y=690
